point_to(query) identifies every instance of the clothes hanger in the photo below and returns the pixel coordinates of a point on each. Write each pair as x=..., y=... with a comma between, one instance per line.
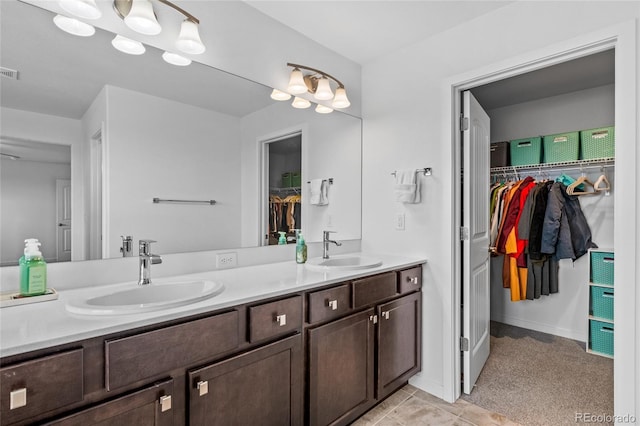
x=572, y=189
x=602, y=184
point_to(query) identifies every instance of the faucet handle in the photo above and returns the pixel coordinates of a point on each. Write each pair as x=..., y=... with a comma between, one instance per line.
x=144, y=246
x=326, y=233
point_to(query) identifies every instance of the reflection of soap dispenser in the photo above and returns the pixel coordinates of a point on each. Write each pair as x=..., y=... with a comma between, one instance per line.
x=283, y=238
x=33, y=270
x=301, y=249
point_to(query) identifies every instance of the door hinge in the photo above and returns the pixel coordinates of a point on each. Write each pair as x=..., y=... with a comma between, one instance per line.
x=464, y=344
x=464, y=123
x=464, y=233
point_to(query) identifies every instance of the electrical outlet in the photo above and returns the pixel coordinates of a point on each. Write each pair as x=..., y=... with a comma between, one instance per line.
x=399, y=221
x=226, y=260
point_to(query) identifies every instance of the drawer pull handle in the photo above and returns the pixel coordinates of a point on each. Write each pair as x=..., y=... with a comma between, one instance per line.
x=165, y=403
x=385, y=315
x=281, y=319
x=413, y=280
x=333, y=304
x=373, y=318
x=203, y=387
x=18, y=398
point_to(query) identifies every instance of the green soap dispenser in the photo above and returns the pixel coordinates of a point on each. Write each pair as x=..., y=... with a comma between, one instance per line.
x=301, y=249
x=283, y=238
x=33, y=270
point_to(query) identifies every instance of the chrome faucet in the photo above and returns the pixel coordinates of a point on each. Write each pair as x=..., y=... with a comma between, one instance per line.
x=127, y=246
x=146, y=260
x=325, y=243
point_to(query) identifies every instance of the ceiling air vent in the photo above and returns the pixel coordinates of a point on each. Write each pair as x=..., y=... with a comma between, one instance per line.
x=9, y=73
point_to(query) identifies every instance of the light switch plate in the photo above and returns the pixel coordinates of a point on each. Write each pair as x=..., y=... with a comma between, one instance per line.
x=399, y=221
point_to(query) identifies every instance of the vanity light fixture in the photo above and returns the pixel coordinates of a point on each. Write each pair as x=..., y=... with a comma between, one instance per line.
x=279, y=95
x=300, y=103
x=323, y=109
x=141, y=18
x=86, y=9
x=126, y=45
x=73, y=26
x=175, y=59
x=317, y=83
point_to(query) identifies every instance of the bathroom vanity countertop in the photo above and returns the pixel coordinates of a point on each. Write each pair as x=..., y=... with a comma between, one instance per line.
x=40, y=325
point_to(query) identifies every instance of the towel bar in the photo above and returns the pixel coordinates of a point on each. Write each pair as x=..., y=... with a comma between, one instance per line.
x=330, y=180
x=159, y=200
x=426, y=171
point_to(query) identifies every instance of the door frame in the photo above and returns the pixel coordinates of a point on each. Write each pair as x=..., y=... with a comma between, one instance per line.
x=622, y=37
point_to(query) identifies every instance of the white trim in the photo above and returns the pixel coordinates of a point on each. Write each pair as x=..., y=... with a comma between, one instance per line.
x=623, y=38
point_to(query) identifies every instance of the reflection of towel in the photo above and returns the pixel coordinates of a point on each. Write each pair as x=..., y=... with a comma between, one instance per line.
x=407, y=189
x=319, y=196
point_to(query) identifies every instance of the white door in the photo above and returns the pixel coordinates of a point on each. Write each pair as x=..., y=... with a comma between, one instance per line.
x=475, y=241
x=63, y=219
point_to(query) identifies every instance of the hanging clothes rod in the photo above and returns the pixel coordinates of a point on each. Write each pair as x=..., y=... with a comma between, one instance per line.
x=330, y=180
x=426, y=171
x=579, y=165
x=160, y=200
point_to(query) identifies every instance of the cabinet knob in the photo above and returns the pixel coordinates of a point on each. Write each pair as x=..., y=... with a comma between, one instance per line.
x=165, y=403
x=18, y=398
x=203, y=387
x=333, y=304
x=385, y=314
x=413, y=280
x=281, y=319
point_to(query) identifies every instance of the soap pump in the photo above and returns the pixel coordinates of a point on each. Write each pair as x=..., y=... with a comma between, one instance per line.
x=283, y=238
x=301, y=248
x=33, y=269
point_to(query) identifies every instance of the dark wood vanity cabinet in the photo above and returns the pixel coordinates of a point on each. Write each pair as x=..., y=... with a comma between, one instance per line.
x=321, y=357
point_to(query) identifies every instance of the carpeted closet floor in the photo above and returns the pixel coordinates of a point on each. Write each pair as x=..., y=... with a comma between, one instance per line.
x=539, y=379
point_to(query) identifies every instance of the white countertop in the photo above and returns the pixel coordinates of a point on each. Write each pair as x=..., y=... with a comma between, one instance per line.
x=40, y=325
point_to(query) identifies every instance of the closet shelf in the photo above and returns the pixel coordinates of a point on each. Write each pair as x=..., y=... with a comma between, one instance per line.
x=566, y=165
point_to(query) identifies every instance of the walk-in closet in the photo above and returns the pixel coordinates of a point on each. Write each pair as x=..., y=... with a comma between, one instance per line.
x=555, y=312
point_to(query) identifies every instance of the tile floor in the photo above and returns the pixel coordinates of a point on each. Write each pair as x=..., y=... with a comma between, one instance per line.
x=411, y=406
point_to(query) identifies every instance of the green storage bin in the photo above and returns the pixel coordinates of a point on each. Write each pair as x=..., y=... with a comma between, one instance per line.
x=524, y=152
x=598, y=143
x=602, y=267
x=602, y=302
x=561, y=147
x=295, y=179
x=601, y=336
x=286, y=180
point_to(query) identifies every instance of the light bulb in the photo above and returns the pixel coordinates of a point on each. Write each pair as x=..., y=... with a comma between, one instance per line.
x=142, y=19
x=175, y=59
x=323, y=91
x=300, y=103
x=279, y=95
x=296, y=82
x=73, y=26
x=189, y=38
x=86, y=9
x=322, y=109
x=340, y=100
x=126, y=45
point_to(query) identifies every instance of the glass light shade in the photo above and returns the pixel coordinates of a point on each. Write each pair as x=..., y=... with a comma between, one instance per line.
x=322, y=109
x=73, y=26
x=300, y=103
x=340, y=100
x=323, y=91
x=296, y=82
x=126, y=45
x=279, y=95
x=175, y=59
x=189, y=38
x=86, y=9
x=142, y=19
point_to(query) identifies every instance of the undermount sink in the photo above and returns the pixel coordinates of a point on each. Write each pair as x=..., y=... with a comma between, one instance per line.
x=343, y=262
x=133, y=299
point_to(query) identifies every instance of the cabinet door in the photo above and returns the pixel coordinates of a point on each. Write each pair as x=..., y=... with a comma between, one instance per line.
x=399, y=349
x=260, y=387
x=341, y=357
x=150, y=406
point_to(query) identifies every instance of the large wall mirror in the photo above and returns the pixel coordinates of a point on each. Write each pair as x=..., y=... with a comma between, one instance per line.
x=91, y=136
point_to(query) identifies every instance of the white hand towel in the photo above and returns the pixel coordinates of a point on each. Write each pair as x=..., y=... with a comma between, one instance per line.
x=319, y=196
x=407, y=189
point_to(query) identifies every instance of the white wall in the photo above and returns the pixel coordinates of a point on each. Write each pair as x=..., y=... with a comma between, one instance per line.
x=164, y=149
x=412, y=128
x=331, y=147
x=563, y=313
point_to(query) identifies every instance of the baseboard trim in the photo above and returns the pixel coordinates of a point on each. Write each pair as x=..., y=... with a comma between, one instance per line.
x=544, y=328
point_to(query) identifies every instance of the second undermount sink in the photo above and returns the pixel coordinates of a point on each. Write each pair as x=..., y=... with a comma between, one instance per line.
x=132, y=298
x=343, y=262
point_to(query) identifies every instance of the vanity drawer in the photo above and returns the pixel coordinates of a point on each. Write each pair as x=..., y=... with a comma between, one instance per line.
x=330, y=303
x=275, y=318
x=369, y=290
x=410, y=280
x=145, y=355
x=40, y=385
